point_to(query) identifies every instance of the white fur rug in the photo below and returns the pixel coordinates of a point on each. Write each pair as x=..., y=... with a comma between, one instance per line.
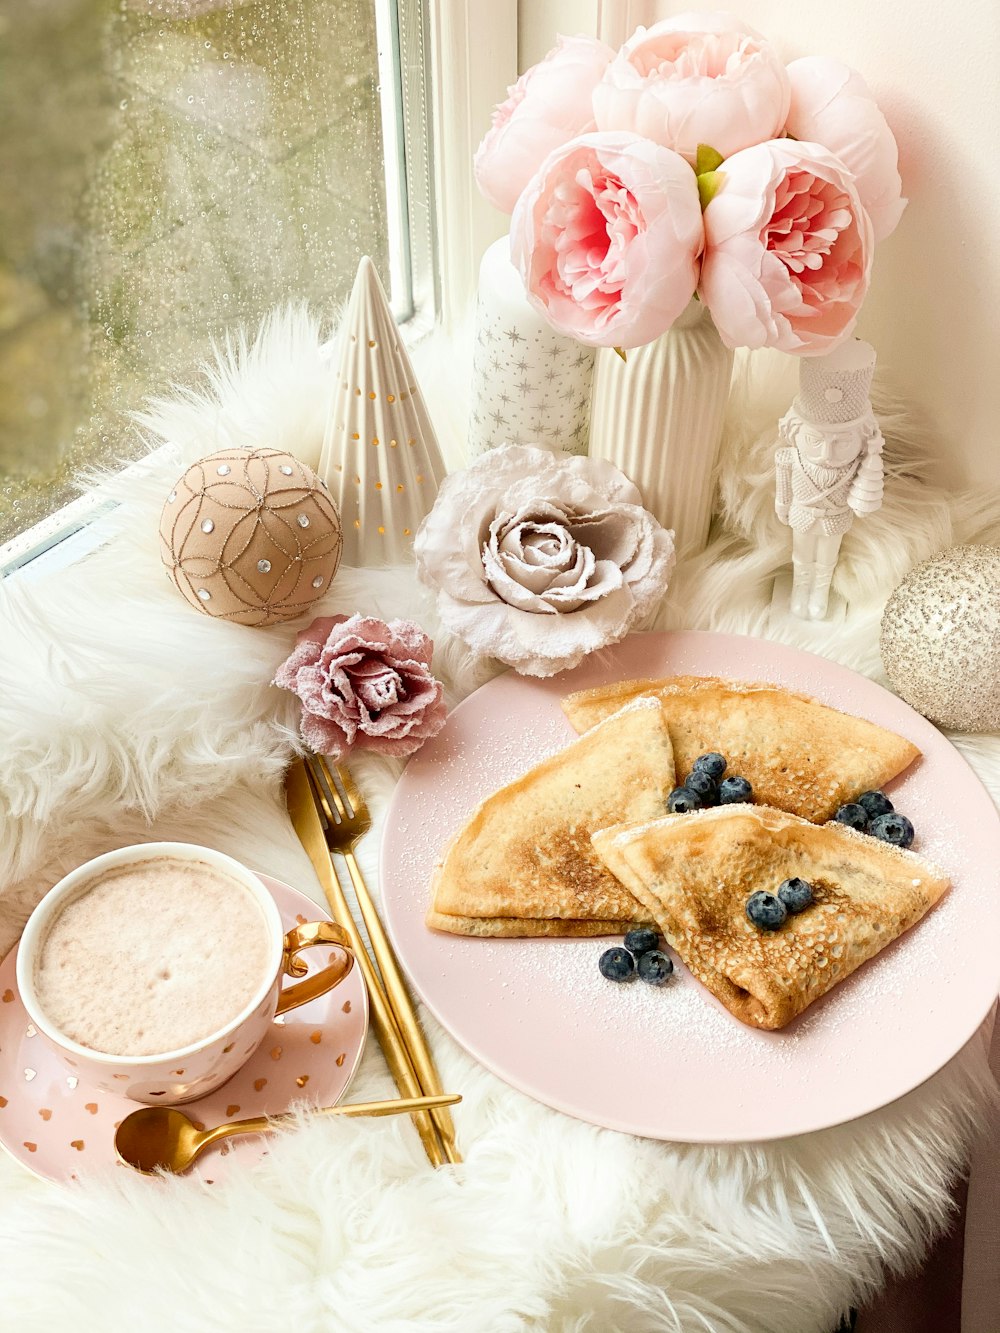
x=124, y=717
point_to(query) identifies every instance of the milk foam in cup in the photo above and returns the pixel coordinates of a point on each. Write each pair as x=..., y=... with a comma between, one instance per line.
x=155, y=971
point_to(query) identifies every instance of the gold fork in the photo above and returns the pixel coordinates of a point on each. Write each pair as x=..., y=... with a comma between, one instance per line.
x=347, y=822
x=305, y=812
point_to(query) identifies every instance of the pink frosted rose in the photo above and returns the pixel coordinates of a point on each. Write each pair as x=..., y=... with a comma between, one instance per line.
x=366, y=683
x=831, y=105
x=788, y=249
x=695, y=79
x=607, y=237
x=549, y=104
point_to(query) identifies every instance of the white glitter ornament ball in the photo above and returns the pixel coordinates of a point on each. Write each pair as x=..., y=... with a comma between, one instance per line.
x=941, y=638
x=251, y=535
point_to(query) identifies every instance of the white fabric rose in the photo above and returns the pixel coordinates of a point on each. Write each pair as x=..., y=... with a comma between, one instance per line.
x=539, y=557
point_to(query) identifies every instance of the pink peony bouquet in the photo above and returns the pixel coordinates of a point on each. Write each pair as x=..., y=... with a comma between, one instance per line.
x=693, y=162
x=364, y=683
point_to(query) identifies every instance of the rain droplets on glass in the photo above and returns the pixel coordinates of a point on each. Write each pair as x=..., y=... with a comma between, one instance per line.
x=214, y=180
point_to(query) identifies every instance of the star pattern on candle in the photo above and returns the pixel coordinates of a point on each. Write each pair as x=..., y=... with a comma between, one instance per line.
x=528, y=385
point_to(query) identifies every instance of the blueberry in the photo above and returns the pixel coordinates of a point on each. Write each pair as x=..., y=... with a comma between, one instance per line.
x=733, y=791
x=641, y=940
x=616, y=964
x=704, y=785
x=894, y=828
x=713, y=764
x=766, y=911
x=854, y=816
x=683, y=799
x=655, y=967
x=796, y=894
x=875, y=803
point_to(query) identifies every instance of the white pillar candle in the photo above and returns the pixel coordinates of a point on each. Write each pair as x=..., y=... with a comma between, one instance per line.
x=530, y=385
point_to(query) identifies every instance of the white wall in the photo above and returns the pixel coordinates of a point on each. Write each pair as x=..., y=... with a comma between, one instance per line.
x=933, y=312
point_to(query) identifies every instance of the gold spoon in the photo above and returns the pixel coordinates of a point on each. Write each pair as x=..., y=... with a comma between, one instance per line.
x=163, y=1138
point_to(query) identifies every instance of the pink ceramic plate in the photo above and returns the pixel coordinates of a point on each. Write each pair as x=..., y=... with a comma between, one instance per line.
x=58, y=1127
x=673, y=1063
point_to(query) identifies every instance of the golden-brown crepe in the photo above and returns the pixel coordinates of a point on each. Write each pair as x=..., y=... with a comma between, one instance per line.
x=523, y=864
x=798, y=754
x=695, y=872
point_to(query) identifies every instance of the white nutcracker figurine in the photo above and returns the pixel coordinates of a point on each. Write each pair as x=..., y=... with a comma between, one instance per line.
x=829, y=467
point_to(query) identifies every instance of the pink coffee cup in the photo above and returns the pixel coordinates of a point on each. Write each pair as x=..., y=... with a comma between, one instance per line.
x=190, y=1070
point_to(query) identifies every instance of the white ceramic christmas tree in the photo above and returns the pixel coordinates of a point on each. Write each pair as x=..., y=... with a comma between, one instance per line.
x=380, y=456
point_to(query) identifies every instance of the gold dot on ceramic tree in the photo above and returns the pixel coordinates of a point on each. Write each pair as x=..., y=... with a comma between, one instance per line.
x=411, y=440
x=371, y=342
x=375, y=439
x=399, y=487
x=372, y=394
x=406, y=532
x=393, y=443
x=390, y=398
x=378, y=485
x=357, y=522
x=355, y=436
x=381, y=531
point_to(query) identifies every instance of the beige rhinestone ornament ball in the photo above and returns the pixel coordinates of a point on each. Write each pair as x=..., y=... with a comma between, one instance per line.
x=941, y=638
x=251, y=535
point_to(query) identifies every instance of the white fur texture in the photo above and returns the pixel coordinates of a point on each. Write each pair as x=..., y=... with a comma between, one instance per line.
x=124, y=716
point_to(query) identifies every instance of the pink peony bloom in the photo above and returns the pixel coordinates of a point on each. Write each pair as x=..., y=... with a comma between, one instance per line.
x=364, y=683
x=607, y=237
x=695, y=79
x=831, y=105
x=788, y=249
x=539, y=557
x=550, y=103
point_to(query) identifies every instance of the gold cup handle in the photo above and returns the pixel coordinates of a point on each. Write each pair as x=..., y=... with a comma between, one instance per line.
x=304, y=937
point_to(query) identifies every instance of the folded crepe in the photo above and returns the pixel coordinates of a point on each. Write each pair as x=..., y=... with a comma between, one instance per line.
x=523, y=864
x=694, y=873
x=799, y=754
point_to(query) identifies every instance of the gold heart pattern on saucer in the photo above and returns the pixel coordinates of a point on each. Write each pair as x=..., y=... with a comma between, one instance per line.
x=59, y=1127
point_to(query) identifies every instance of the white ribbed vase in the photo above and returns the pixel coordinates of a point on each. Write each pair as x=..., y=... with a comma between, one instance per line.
x=658, y=417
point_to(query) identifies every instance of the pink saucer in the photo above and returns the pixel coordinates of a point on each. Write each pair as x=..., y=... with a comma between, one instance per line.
x=58, y=1127
x=673, y=1063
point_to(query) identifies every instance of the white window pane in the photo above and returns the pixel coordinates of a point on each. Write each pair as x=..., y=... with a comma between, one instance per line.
x=169, y=168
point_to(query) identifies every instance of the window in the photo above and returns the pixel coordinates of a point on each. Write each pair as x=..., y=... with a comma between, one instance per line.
x=396, y=93
x=174, y=168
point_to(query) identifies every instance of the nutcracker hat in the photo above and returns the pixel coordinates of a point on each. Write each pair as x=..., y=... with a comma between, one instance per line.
x=834, y=389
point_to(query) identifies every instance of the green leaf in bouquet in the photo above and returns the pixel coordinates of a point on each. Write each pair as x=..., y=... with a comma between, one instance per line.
x=707, y=159
x=708, y=186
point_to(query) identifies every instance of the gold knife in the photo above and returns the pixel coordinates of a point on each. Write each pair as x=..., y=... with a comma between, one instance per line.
x=306, y=822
